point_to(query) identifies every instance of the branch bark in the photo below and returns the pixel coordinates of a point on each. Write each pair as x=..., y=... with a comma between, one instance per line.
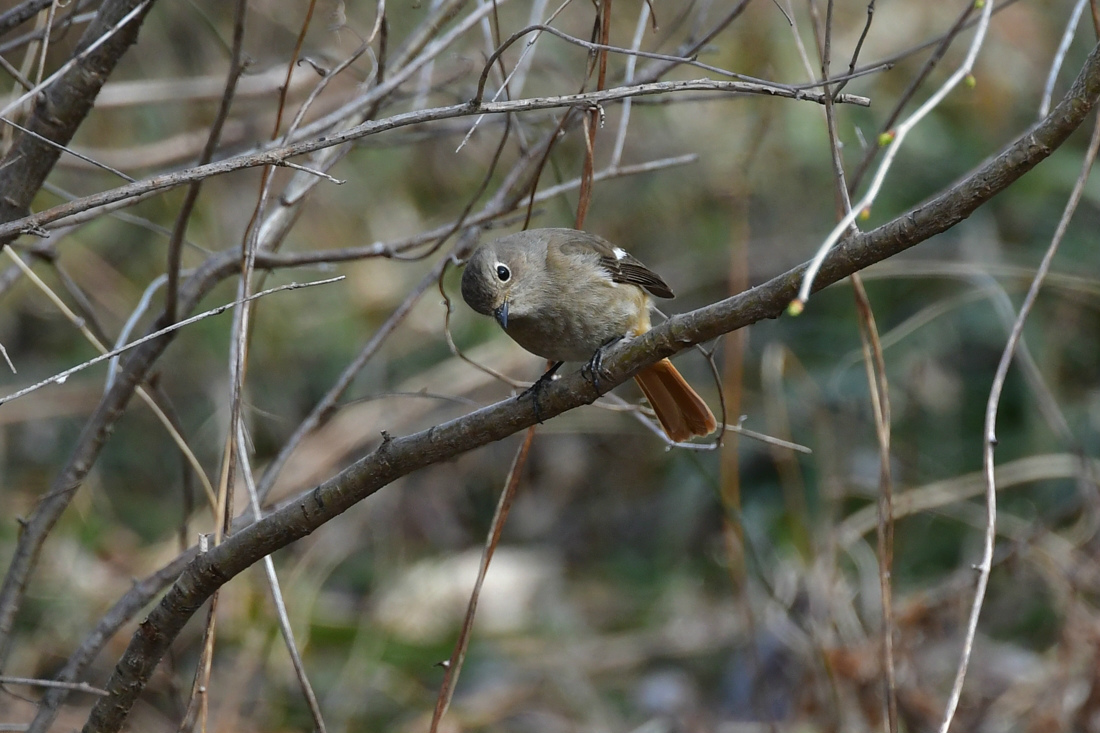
x=62, y=107
x=21, y=13
x=396, y=457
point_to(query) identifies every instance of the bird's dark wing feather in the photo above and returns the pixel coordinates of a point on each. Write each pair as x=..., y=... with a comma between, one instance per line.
x=623, y=267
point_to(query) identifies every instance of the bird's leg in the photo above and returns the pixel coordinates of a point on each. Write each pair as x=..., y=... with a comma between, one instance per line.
x=538, y=386
x=595, y=365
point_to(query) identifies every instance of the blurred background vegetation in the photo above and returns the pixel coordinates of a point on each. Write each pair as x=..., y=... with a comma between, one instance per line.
x=627, y=594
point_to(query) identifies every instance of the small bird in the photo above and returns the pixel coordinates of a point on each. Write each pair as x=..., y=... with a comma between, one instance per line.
x=564, y=294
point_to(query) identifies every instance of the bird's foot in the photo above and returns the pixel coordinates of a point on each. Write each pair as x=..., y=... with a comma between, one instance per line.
x=594, y=367
x=535, y=389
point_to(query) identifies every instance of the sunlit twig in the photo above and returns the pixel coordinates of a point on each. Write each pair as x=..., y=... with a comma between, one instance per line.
x=989, y=432
x=902, y=130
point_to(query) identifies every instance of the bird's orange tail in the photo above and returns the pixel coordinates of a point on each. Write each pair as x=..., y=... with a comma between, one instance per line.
x=681, y=412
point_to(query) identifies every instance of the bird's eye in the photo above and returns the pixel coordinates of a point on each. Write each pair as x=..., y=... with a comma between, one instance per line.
x=503, y=273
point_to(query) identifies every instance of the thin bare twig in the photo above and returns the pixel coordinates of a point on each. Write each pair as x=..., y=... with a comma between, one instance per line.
x=695, y=45
x=604, y=48
x=7, y=359
x=914, y=84
x=277, y=595
x=990, y=428
x=859, y=44
x=331, y=75
x=895, y=143
x=585, y=100
x=460, y=221
x=237, y=66
x=62, y=376
x=1060, y=56
x=16, y=74
x=64, y=149
x=628, y=77
x=418, y=51
x=72, y=686
x=514, y=81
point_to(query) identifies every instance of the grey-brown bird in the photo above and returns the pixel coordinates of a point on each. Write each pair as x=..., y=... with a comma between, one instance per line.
x=564, y=294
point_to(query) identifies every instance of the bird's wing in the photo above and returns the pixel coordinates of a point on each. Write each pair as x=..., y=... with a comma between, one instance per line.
x=619, y=264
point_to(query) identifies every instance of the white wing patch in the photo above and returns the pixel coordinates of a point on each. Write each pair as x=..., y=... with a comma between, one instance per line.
x=619, y=252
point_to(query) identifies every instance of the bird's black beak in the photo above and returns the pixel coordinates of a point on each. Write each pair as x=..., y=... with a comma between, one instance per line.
x=501, y=315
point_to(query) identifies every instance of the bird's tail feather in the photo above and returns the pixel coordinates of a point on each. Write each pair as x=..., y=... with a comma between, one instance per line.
x=681, y=411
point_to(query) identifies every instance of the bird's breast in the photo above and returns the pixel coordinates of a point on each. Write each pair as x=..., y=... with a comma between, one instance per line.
x=578, y=321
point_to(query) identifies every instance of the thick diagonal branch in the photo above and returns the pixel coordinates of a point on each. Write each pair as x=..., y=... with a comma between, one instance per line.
x=398, y=457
